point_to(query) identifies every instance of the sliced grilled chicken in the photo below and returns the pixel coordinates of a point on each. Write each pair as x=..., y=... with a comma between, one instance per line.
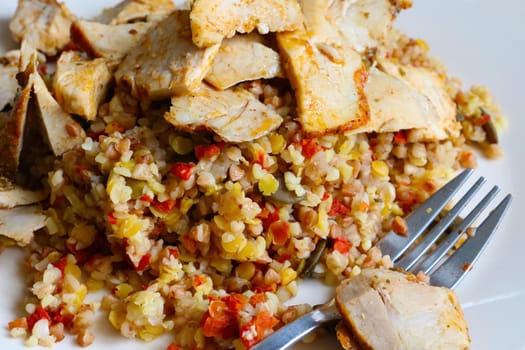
x=80, y=85
x=394, y=105
x=443, y=123
x=214, y=20
x=111, y=42
x=236, y=115
x=345, y=338
x=132, y=11
x=60, y=130
x=43, y=23
x=20, y=223
x=167, y=62
x=390, y=310
x=327, y=75
x=12, y=123
x=8, y=86
x=363, y=23
x=242, y=58
x=12, y=195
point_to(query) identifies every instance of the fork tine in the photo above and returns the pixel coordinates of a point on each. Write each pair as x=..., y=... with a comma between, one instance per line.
x=454, y=236
x=395, y=245
x=452, y=271
x=412, y=257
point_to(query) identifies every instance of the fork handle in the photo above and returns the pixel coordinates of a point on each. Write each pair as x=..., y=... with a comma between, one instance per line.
x=294, y=331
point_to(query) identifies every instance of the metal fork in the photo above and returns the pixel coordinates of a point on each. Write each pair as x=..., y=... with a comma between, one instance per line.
x=444, y=269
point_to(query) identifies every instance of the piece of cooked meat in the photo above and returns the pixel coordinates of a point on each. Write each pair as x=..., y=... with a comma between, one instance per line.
x=236, y=115
x=111, y=42
x=133, y=11
x=327, y=76
x=391, y=310
x=394, y=105
x=8, y=86
x=167, y=62
x=20, y=223
x=12, y=195
x=363, y=23
x=60, y=130
x=80, y=85
x=243, y=58
x=429, y=84
x=13, y=122
x=344, y=337
x=214, y=20
x=43, y=23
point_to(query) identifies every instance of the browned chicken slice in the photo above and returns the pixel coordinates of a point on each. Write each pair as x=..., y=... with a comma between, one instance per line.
x=345, y=337
x=363, y=23
x=111, y=42
x=130, y=11
x=214, y=20
x=327, y=75
x=390, y=310
x=242, y=58
x=443, y=123
x=60, y=130
x=236, y=115
x=20, y=223
x=167, y=62
x=80, y=85
x=8, y=86
x=43, y=23
x=394, y=105
x=12, y=195
x=12, y=123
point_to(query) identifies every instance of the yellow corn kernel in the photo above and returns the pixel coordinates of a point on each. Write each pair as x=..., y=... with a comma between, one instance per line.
x=79, y=296
x=222, y=265
x=94, y=285
x=123, y=290
x=346, y=171
x=186, y=204
x=366, y=244
x=396, y=210
x=356, y=270
x=418, y=161
x=268, y=184
x=387, y=209
x=423, y=44
x=232, y=243
x=221, y=222
x=288, y=275
x=354, y=155
x=131, y=225
x=150, y=332
x=117, y=317
x=73, y=270
x=379, y=168
x=322, y=222
x=245, y=270
x=171, y=219
x=278, y=143
x=248, y=252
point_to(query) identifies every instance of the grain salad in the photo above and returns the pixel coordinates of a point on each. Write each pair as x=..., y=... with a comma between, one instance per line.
x=180, y=169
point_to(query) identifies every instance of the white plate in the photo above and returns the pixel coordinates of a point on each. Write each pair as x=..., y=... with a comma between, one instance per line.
x=480, y=42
